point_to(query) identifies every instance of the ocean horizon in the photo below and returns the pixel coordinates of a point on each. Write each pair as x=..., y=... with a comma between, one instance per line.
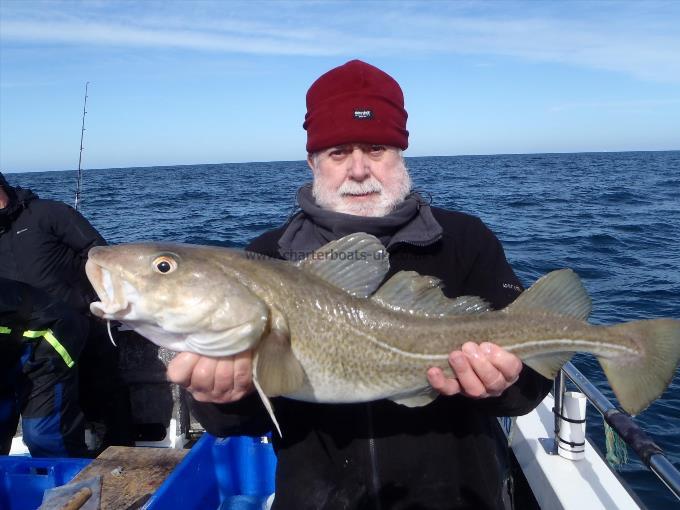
x=181, y=165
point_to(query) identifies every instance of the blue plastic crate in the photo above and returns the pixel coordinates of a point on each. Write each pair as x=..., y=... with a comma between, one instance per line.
x=234, y=473
x=23, y=480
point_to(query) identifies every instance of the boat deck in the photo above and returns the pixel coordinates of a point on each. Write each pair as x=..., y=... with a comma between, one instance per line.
x=559, y=483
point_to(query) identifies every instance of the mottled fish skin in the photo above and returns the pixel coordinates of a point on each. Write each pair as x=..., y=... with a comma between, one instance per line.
x=353, y=349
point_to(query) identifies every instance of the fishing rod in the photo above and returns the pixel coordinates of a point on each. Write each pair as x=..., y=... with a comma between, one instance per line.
x=80, y=156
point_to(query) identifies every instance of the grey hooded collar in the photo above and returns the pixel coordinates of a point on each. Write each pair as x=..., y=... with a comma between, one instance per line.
x=410, y=222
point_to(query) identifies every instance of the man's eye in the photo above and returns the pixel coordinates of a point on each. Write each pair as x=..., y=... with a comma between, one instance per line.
x=338, y=152
x=377, y=150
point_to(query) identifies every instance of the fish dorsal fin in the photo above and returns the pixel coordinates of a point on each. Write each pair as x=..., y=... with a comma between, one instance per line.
x=408, y=291
x=558, y=292
x=356, y=263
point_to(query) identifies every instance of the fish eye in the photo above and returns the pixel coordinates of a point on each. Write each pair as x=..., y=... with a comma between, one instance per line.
x=164, y=264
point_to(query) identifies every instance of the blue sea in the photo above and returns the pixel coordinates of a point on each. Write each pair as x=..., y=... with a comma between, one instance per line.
x=612, y=217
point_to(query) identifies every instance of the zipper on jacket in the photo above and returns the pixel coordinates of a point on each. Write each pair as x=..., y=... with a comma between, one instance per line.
x=374, y=486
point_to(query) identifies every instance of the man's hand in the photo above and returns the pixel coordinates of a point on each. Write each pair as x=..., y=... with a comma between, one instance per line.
x=482, y=371
x=217, y=380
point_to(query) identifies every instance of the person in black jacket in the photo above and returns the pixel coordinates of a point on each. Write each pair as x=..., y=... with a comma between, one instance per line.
x=44, y=243
x=449, y=454
x=41, y=340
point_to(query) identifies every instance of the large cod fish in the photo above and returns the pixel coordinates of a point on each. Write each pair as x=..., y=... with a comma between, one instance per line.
x=324, y=330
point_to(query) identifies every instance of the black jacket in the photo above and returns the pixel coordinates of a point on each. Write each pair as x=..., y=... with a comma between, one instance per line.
x=446, y=455
x=25, y=308
x=44, y=243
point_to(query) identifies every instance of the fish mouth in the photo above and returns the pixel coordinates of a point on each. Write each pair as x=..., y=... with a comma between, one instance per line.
x=113, y=299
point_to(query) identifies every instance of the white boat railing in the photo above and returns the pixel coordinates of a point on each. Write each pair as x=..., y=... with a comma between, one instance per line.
x=649, y=452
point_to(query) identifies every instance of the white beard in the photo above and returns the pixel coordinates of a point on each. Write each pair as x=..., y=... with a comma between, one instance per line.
x=381, y=203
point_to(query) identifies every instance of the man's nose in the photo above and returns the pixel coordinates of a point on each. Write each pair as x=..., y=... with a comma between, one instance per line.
x=359, y=165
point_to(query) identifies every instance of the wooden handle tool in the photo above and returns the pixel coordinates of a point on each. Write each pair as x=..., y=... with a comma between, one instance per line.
x=78, y=499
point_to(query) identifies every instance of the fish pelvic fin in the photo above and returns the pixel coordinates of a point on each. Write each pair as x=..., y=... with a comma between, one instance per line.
x=356, y=263
x=639, y=380
x=267, y=404
x=558, y=292
x=417, y=399
x=408, y=291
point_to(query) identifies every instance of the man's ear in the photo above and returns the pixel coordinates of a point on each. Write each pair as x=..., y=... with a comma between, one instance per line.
x=310, y=161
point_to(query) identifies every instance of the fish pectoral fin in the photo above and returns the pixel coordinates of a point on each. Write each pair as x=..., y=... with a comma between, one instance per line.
x=413, y=293
x=356, y=263
x=422, y=398
x=548, y=365
x=638, y=380
x=278, y=370
x=559, y=292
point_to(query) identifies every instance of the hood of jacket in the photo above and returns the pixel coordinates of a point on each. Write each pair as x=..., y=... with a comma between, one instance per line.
x=18, y=201
x=410, y=222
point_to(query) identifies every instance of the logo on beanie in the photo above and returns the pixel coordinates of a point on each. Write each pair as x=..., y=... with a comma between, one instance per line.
x=363, y=114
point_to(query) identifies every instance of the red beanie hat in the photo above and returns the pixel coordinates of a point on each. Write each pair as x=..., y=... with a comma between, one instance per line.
x=355, y=103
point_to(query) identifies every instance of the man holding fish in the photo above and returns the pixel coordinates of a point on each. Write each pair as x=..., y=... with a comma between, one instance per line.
x=395, y=332
x=380, y=454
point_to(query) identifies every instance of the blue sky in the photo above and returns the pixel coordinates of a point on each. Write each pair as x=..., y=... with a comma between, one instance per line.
x=190, y=82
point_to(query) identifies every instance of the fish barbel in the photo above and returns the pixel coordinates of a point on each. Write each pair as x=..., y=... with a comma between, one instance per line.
x=325, y=330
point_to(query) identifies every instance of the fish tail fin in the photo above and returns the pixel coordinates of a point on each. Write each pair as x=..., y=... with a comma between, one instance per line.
x=639, y=380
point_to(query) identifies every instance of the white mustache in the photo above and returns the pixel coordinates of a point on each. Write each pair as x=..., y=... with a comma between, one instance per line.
x=360, y=188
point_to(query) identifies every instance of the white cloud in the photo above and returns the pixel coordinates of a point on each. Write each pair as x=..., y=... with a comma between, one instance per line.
x=119, y=35
x=637, y=38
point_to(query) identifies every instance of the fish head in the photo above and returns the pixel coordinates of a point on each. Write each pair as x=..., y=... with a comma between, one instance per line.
x=181, y=297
